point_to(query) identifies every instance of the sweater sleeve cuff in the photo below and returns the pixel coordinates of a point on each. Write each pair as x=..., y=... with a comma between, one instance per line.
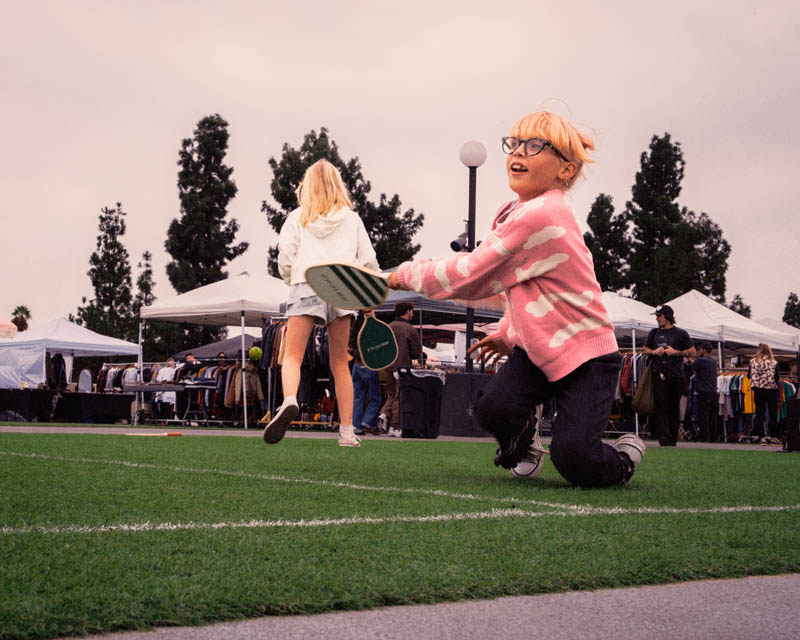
x=502, y=332
x=402, y=274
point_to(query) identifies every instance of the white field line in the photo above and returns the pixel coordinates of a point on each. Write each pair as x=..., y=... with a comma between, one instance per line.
x=494, y=514
x=553, y=509
x=276, y=478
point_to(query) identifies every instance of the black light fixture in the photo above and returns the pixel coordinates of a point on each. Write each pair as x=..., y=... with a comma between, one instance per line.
x=460, y=243
x=473, y=155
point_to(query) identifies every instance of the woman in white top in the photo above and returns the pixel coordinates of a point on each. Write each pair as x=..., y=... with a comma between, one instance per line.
x=763, y=376
x=324, y=228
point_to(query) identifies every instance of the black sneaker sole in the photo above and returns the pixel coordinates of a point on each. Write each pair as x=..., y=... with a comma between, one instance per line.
x=276, y=429
x=517, y=448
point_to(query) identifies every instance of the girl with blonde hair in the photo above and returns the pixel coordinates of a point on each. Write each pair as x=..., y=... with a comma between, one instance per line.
x=763, y=374
x=555, y=331
x=324, y=228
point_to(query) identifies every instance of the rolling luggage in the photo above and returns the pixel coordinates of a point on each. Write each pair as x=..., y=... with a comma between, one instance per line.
x=420, y=396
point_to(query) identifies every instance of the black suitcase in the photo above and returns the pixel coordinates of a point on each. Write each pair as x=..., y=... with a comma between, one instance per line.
x=420, y=395
x=460, y=395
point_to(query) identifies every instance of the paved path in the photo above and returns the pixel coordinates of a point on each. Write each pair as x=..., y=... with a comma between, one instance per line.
x=256, y=433
x=758, y=608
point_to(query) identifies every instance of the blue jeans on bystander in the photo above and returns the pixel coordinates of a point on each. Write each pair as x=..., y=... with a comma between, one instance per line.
x=366, y=382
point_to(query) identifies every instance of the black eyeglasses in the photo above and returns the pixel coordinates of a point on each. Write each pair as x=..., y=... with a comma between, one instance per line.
x=532, y=146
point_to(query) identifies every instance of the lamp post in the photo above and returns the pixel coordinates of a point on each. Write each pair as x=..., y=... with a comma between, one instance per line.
x=473, y=155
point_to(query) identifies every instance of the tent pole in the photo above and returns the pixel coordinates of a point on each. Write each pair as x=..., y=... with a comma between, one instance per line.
x=633, y=365
x=244, y=379
x=422, y=360
x=140, y=375
x=721, y=362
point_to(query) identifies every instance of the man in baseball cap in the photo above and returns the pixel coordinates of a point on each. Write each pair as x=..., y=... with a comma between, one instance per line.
x=667, y=346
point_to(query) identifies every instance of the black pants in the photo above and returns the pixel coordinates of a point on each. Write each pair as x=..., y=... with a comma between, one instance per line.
x=667, y=400
x=766, y=419
x=583, y=404
x=707, y=415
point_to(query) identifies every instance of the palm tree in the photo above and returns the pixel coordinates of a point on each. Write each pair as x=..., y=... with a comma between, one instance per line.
x=20, y=317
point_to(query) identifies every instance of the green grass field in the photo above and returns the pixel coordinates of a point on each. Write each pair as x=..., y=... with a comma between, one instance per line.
x=101, y=533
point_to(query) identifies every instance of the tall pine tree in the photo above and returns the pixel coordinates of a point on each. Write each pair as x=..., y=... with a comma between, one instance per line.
x=609, y=244
x=111, y=311
x=389, y=227
x=159, y=339
x=673, y=249
x=201, y=242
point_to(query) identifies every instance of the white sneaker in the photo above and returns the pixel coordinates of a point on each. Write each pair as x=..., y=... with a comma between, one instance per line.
x=276, y=429
x=532, y=462
x=633, y=446
x=395, y=433
x=348, y=438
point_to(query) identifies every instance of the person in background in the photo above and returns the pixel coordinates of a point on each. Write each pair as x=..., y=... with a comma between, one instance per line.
x=705, y=385
x=409, y=349
x=763, y=374
x=366, y=384
x=667, y=346
x=190, y=359
x=167, y=374
x=555, y=330
x=324, y=228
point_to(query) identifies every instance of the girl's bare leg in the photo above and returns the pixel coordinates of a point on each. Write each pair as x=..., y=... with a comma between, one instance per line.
x=338, y=337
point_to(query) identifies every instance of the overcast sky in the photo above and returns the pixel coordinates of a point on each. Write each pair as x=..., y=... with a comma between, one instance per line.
x=96, y=97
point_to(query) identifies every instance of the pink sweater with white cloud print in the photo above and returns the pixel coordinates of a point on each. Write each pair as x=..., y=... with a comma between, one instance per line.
x=535, y=258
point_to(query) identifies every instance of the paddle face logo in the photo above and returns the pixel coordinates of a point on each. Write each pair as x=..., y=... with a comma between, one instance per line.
x=380, y=345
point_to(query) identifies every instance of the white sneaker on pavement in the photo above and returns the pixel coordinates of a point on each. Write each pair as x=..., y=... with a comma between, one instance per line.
x=348, y=437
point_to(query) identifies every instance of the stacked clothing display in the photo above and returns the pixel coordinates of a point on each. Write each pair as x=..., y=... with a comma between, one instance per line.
x=737, y=403
x=112, y=376
x=630, y=364
x=219, y=394
x=316, y=383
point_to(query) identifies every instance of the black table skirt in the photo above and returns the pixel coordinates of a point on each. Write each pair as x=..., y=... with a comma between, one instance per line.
x=94, y=407
x=31, y=404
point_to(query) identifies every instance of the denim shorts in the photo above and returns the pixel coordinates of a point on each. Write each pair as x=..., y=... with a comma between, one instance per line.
x=302, y=301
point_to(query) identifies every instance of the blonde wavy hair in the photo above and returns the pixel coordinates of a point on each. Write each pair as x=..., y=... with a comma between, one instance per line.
x=321, y=191
x=764, y=352
x=559, y=132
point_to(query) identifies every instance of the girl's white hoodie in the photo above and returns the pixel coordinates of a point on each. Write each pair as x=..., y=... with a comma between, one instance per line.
x=338, y=236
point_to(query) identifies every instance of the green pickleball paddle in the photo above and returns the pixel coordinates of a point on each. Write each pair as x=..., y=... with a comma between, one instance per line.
x=377, y=344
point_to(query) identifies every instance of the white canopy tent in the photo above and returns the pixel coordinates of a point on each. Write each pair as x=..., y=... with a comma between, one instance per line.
x=22, y=358
x=245, y=299
x=254, y=297
x=628, y=315
x=780, y=327
x=693, y=309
